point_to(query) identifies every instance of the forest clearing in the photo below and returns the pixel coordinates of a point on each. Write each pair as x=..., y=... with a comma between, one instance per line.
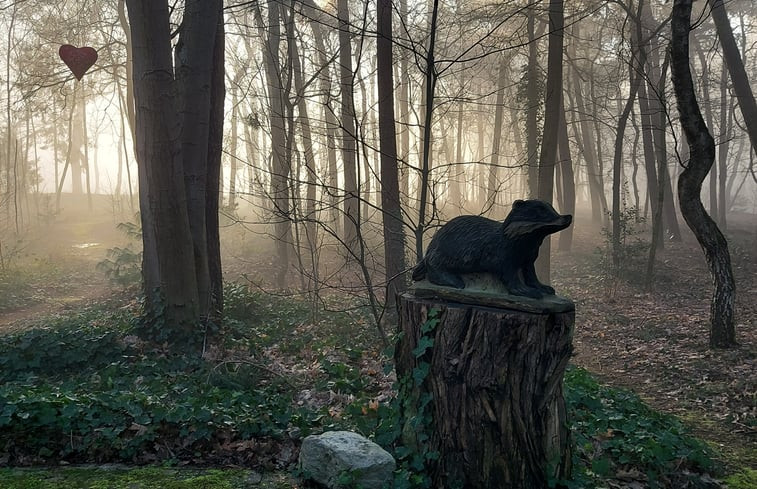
x=378, y=244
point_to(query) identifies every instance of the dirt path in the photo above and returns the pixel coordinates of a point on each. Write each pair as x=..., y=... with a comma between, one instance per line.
x=55, y=301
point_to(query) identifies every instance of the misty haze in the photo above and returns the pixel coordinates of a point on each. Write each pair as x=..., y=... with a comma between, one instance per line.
x=378, y=244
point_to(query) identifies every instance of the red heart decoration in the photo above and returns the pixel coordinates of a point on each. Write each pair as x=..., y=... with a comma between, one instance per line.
x=79, y=60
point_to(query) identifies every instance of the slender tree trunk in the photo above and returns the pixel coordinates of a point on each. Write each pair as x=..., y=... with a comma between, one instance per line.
x=457, y=170
x=553, y=108
x=307, y=143
x=280, y=165
x=533, y=109
x=215, y=149
x=347, y=114
x=233, y=151
x=430, y=88
x=85, y=146
x=741, y=86
x=493, y=186
x=662, y=172
x=404, y=103
x=317, y=24
x=394, y=236
x=617, y=166
x=726, y=124
x=565, y=241
x=707, y=105
x=702, y=157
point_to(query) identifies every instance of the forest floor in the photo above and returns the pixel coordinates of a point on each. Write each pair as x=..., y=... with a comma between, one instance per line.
x=652, y=342
x=656, y=342
x=53, y=268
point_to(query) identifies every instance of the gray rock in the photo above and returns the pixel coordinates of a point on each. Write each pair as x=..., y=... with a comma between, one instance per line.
x=324, y=458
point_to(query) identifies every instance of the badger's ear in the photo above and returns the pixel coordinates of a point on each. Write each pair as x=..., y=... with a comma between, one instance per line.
x=517, y=203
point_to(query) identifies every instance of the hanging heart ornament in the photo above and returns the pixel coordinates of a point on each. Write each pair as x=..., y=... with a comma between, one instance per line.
x=79, y=60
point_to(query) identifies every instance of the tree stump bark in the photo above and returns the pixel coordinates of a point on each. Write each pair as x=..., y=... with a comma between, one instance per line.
x=485, y=398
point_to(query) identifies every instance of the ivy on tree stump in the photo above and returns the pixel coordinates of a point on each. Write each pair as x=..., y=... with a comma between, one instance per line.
x=489, y=372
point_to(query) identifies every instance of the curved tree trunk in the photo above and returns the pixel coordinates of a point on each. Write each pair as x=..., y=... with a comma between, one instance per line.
x=702, y=157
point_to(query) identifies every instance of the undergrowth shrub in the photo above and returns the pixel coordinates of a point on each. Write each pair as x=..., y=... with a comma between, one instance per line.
x=123, y=265
x=632, y=252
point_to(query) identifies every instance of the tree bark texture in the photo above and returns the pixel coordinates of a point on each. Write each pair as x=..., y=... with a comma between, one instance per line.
x=552, y=108
x=532, y=92
x=158, y=153
x=194, y=72
x=701, y=159
x=495, y=385
x=394, y=235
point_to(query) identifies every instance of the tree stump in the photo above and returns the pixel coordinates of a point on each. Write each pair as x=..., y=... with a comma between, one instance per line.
x=489, y=386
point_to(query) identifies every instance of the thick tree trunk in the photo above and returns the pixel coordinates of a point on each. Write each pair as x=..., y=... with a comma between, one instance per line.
x=160, y=165
x=484, y=384
x=195, y=52
x=394, y=235
x=702, y=157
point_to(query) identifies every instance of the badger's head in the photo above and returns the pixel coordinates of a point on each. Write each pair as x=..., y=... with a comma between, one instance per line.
x=534, y=218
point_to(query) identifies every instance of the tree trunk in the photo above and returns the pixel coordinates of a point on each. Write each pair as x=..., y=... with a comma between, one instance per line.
x=428, y=97
x=726, y=121
x=310, y=217
x=319, y=20
x=159, y=156
x=457, y=170
x=484, y=385
x=568, y=205
x=215, y=149
x=532, y=91
x=702, y=157
x=394, y=235
x=552, y=109
x=741, y=86
x=280, y=166
x=492, y=186
x=347, y=113
x=233, y=151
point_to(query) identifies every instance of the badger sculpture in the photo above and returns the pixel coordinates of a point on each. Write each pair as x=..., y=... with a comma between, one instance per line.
x=508, y=250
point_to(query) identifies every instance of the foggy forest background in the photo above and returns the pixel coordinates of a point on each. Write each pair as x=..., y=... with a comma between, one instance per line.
x=301, y=176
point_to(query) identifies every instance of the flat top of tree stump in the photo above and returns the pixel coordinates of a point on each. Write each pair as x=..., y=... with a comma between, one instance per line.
x=484, y=290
